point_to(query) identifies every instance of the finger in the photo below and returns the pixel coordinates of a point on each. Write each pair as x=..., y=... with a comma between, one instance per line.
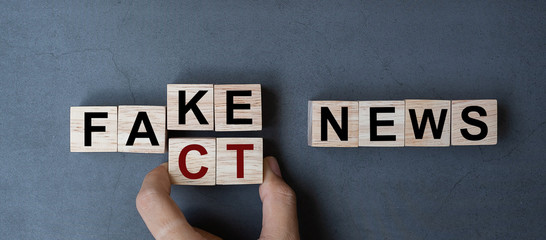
x=207, y=235
x=160, y=213
x=280, y=220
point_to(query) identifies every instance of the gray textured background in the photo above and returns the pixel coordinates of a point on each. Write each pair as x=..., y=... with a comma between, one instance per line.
x=56, y=54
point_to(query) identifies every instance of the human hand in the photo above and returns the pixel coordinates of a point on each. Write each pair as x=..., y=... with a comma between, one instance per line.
x=165, y=220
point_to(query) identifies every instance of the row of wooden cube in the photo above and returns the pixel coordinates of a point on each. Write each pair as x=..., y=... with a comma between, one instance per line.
x=225, y=107
x=216, y=161
x=395, y=123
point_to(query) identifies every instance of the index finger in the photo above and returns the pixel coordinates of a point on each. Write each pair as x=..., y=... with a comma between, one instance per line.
x=160, y=213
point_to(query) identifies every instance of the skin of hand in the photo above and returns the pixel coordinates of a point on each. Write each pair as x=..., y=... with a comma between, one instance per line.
x=166, y=221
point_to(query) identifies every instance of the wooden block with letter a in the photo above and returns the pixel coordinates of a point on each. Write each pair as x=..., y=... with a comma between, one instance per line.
x=192, y=161
x=141, y=129
x=93, y=129
x=427, y=123
x=332, y=123
x=239, y=161
x=238, y=107
x=190, y=107
x=474, y=122
x=381, y=123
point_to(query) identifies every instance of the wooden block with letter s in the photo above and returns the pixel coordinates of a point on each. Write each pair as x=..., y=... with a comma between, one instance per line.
x=474, y=122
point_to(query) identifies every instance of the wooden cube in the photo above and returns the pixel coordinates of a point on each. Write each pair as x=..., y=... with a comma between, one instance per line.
x=192, y=161
x=332, y=123
x=474, y=122
x=381, y=123
x=141, y=129
x=190, y=107
x=427, y=123
x=238, y=107
x=93, y=129
x=239, y=161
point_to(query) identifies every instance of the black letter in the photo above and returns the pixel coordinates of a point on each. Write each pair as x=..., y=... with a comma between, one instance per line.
x=374, y=123
x=192, y=104
x=420, y=130
x=88, y=128
x=142, y=117
x=475, y=122
x=326, y=116
x=230, y=106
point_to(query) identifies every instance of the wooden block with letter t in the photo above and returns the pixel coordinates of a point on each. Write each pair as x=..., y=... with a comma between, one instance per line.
x=190, y=107
x=427, y=123
x=474, y=122
x=192, y=161
x=239, y=161
x=93, y=129
x=238, y=107
x=332, y=123
x=141, y=129
x=381, y=123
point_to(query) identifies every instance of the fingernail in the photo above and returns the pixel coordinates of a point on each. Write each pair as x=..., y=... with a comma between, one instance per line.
x=274, y=165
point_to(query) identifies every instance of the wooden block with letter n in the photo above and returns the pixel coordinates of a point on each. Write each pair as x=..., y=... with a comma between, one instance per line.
x=474, y=122
x=381, y=123
x=332, y=123
x=141, y=129
x=427, y=123
x=93, y=129
x=239, y=161
x=190, y=107
x=192, y=161
x=238, y=107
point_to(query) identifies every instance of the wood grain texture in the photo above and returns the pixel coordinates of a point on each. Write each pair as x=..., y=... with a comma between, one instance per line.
x=457, y=107
x=428, y=140
x=397, y=117
x=100, y=141
x=333, y=140
x=126, y=120
x=226, y=162
x=205, y=105
x=254, y=113
x=194, y=161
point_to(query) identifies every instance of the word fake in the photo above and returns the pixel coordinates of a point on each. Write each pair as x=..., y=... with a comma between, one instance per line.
x=190, y=107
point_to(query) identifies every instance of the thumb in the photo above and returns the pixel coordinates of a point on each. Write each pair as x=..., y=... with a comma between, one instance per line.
x=280, y=220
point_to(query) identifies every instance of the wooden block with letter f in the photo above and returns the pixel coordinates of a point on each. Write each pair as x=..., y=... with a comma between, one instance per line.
x=93, y=129
x=333, y=123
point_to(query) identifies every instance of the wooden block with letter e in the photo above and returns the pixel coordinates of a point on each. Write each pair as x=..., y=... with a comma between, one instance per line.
x=474, y=122
x=332, y=123
x=190, y=107
x=141, y=129
x=93, y=129
x=381, y=123
x=427, y=123
x=192, y=161
x=238, y=107
x=239, y=161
